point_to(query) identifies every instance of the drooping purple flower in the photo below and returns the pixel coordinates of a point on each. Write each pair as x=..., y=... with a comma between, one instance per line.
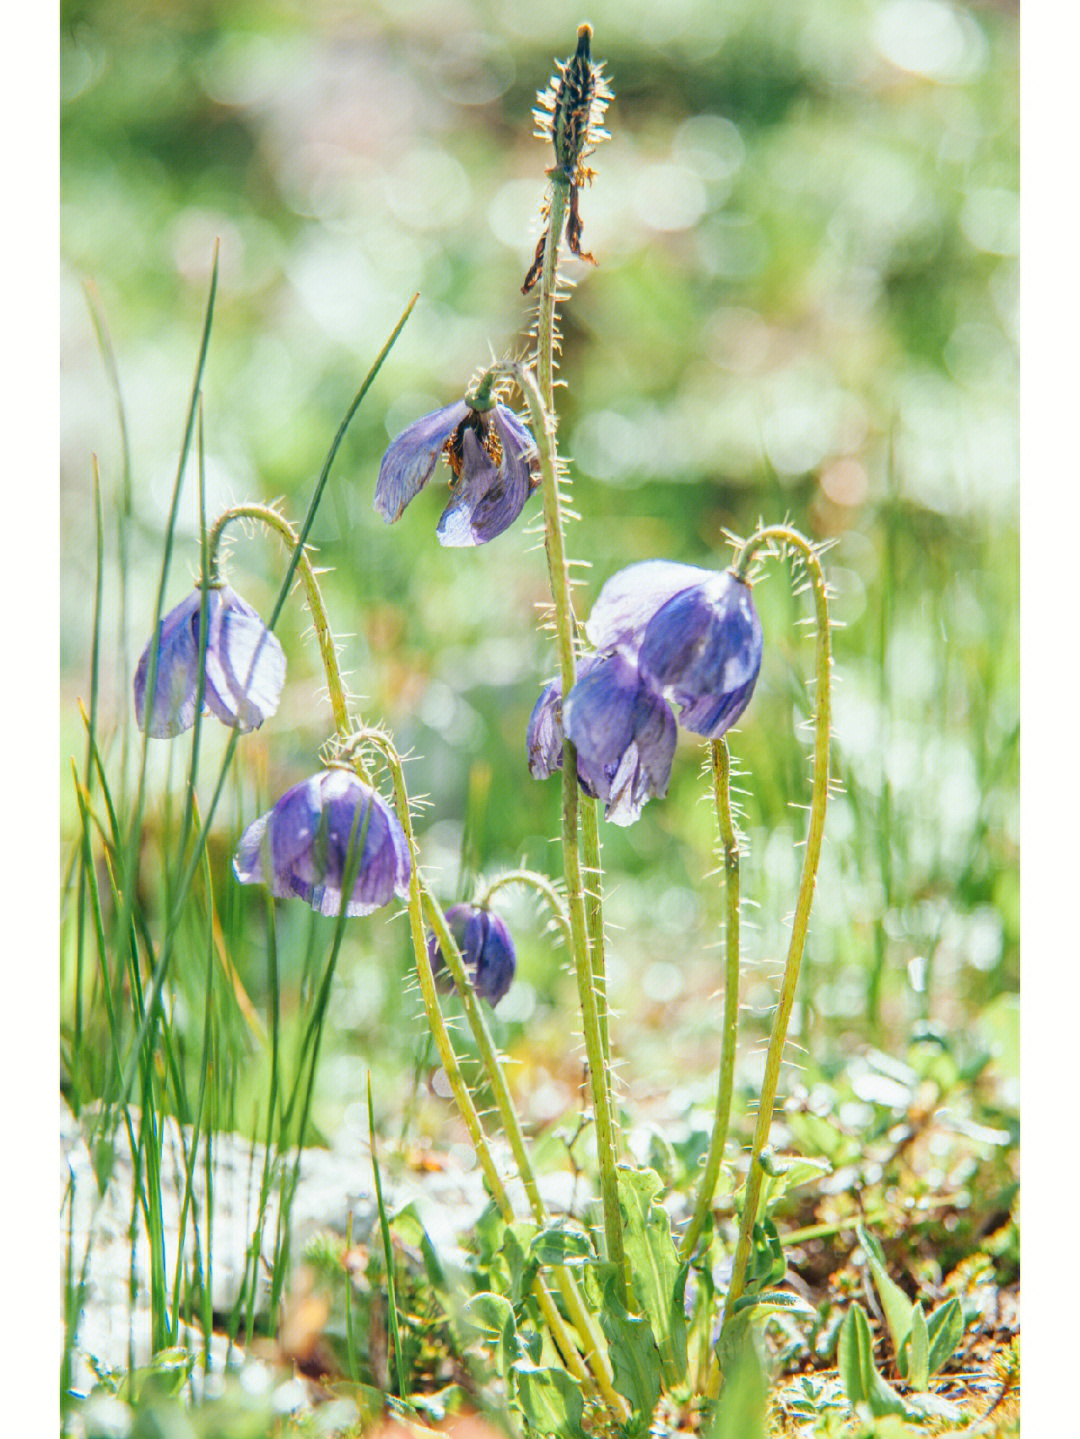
x=544, y=736
x=703, y=647
x=304, y=846
x=245, y=666
x=486, y=948
x=493, y=462
x=624, y=733
x=630, y=598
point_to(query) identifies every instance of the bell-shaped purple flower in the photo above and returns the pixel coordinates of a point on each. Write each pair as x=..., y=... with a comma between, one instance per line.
x=245, y=666
x=308, y=843
x=624, y=733
x=486, y=948
x=703, y=648
x=631, y=597
x=493, y=462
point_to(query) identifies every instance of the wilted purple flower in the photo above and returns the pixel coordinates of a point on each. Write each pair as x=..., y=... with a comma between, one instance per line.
x=245, y=666
x=304, y=844
x=704, y=648
x=624, y=733
x=486, y=948
x=493, y=462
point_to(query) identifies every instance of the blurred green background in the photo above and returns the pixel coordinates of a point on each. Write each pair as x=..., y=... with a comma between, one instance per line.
x=805, y=306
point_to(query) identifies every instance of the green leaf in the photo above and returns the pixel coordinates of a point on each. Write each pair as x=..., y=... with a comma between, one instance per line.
x=516, y=1251
x=863, y=1385
x=743, y=1407
x=635, y=1359
x=767, y=1264
x=493, y=1317
x=775, y=1299
x=560, y=1243
x=895, y=1303
x=919, y=1360
x=659, y=1279
x=550, y=1399
x=945, y=1329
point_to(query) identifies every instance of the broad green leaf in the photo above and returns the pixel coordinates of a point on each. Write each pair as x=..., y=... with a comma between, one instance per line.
x=635, y=1359
x=743, y=1407
x=550, y=1399
x=492, y=1315
x=863, y=1385
x=561, y=1244
x=894, y=1301
x=919, y=1358
x=659, y=1279
x=785, y=1172
x=931, y=1406
x=945, y=1329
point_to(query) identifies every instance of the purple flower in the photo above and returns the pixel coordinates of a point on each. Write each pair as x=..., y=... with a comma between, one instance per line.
x=703, y=647
x=486, y=948
x=663, y=631
x=245, y=666
x=493, y=462
x=695, y=633
x=623, y=730
x=304, y=846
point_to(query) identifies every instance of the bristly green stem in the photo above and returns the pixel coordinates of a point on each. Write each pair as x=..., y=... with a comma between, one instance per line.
x=720, y=764
x=327, y=650
x=786, y=537
x=419, y=899
x=538, y=390
x=542, y=885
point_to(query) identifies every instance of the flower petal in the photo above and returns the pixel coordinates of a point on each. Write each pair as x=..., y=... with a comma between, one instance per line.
x=631, y=597
x=245, y=665
x=487, y=500
x=172, y=709
x=544, y=735
x=704, y=648
x=625, y=735
x=407, y=465
x=487, y=950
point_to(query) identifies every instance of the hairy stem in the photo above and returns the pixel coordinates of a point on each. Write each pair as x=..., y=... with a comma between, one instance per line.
x=785, y=537
x=721, y=776
x=420, y=898
x=268, y=516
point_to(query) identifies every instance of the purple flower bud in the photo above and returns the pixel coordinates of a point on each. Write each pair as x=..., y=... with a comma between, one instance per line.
x=304, y=845
x=703, y=647
x=486, y=948
x=245, y=666
x=493, y=459
x=625, y=735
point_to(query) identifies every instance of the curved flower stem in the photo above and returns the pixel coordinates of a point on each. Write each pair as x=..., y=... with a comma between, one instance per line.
x=268, y=516
x=721, y=775
x=419, y=899
x=787, y=537
x=543, y=887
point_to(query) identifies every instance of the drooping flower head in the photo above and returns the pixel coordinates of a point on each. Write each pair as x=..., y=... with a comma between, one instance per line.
x=493, y=463
x=245, y=666
x=622, y=728
x=696, y=635
x=624, y=733
x=662, y=631
x=486, y=948
x=308, y=843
